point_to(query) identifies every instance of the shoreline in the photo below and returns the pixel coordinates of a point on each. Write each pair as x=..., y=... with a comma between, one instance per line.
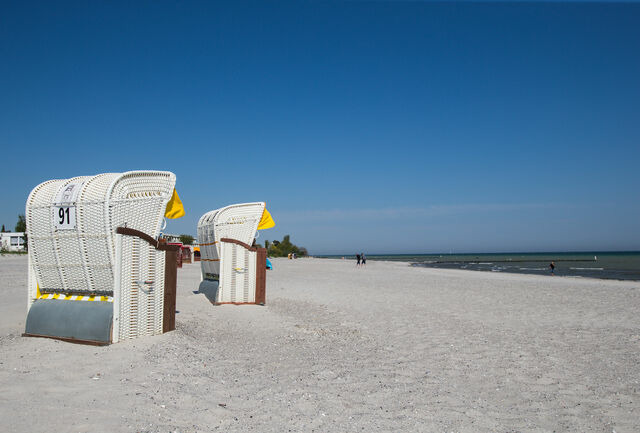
x=586, y=272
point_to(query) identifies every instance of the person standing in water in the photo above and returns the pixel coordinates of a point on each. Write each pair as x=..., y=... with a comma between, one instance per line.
x=552, y=266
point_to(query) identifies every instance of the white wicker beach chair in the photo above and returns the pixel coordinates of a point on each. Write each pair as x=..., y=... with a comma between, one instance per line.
x=233, y=271
x=97, y=273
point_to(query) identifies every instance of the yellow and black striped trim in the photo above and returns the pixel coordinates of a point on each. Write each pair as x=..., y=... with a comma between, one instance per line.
x=63, y=297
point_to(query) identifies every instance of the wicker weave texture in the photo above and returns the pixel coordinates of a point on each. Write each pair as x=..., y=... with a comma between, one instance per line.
x=238, y=278
x=209, y=255
x=81, y=260
x=237, y=221
x=142, y=289
x=231, y=264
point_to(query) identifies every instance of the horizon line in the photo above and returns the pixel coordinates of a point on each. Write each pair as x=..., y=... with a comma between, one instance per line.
x=495, y=253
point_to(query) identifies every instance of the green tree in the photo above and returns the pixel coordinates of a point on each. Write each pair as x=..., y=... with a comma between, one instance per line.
x=21, y=225
x=284, y=248
x=3, y=230
x=186, y=239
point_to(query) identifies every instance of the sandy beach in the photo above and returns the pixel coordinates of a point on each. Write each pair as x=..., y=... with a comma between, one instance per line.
x=386, y=348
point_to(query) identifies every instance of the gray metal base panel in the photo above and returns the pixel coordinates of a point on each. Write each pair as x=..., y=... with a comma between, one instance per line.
x=85, y=321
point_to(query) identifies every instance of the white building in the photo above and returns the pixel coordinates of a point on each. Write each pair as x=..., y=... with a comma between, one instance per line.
x=171, y=238
x=12, y=241
x=176, y=239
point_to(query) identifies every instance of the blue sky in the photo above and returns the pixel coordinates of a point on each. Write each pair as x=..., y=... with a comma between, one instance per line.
x=383, y=127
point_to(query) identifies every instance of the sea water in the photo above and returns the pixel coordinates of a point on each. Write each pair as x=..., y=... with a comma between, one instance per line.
x=608, y=265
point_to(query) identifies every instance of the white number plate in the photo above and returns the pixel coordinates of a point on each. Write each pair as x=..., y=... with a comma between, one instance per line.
x=65, y=217
x=64, y=209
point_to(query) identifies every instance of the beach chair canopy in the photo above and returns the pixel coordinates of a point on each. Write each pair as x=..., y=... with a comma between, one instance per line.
x=228, y=260
x=238, y=221
x=75, y=254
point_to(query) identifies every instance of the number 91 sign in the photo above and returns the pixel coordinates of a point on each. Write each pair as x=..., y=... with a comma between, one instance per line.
x=65, y=217
x=64, y=209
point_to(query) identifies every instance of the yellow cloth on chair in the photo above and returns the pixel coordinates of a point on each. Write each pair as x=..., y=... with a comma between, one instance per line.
x=266, y=222
x=174, y=207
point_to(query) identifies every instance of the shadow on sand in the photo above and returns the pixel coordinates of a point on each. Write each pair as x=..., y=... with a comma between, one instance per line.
x=209, y=289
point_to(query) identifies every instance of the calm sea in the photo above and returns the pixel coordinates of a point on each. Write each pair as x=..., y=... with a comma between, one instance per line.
x=609, y=265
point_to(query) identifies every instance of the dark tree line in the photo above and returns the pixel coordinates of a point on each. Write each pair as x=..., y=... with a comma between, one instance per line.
x=283, y=248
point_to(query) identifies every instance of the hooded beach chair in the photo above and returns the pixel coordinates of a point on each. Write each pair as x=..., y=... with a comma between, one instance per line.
x=97, y=273
x=233, y=270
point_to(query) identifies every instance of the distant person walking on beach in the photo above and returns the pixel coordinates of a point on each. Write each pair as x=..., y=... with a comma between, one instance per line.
x=552, y=266
x=364, y=259
x=358, y=259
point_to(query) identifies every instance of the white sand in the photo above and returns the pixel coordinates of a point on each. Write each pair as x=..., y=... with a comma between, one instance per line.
x=337, y=349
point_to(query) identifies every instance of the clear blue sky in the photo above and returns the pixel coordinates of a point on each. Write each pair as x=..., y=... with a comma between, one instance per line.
x=383, y=127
